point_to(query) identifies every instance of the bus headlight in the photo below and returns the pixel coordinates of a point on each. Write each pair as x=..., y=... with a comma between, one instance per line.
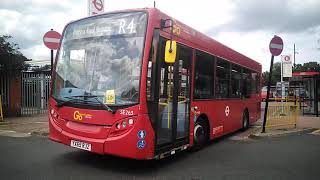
x=122, y=126
x=54, y=113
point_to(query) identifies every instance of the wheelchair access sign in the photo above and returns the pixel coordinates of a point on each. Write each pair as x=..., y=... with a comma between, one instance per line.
x=141, y=144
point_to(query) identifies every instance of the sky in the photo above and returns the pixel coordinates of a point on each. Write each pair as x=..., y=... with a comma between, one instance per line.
x=246, y=26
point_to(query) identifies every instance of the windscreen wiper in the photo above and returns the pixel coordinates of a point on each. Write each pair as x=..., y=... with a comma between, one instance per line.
x=106, y=107
x=73, y=98
x=62, y=103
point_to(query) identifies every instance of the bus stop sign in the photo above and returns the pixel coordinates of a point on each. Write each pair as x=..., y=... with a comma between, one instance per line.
x=276, y=46
x=52, y=39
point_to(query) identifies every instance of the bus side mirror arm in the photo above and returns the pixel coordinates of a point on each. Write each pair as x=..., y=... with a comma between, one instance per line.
x=163, y=26
x=170, y=50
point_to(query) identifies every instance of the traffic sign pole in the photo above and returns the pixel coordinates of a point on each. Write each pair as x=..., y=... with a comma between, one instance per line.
x=281, y=87
x=51, y=60
x=51, y=67
x=268, y=95
x=275, y=47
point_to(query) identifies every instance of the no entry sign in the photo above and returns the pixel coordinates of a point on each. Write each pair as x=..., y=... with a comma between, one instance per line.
x=276, y=46
x=52, y=39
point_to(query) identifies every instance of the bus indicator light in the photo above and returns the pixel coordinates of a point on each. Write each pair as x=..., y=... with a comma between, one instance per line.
x=124, y=124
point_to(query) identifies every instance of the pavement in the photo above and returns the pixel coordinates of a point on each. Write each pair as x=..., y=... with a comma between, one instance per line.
x=24, y=126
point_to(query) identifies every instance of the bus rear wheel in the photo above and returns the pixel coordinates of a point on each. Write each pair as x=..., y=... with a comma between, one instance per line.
x=200, y=134
x=245, y=120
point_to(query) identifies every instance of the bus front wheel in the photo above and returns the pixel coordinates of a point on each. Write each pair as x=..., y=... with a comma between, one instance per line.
x=200, y=134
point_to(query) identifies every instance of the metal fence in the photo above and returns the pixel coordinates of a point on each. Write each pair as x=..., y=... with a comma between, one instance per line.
x=35, y=92
x=282, y=115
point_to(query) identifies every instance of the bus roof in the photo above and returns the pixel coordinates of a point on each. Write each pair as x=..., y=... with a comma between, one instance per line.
x=208, y=44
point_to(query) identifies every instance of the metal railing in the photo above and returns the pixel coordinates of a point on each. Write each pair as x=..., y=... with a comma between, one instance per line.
x=35, y=92
x=282, y=115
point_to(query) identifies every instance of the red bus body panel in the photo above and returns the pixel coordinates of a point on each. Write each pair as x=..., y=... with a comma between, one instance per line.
x=98, y=126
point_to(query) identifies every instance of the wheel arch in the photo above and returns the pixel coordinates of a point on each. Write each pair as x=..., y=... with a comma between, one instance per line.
x=246, y=111
x=205, y=118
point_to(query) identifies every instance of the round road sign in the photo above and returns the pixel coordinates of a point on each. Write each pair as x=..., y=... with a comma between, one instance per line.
x=98, y=4
x=276, y=46
x=287, y=58
x=52, y=39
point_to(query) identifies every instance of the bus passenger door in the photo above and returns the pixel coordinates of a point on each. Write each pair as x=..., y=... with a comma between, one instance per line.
x=173, y=88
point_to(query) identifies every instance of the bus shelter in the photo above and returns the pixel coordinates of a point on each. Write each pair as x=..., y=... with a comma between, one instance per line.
x=306, y=87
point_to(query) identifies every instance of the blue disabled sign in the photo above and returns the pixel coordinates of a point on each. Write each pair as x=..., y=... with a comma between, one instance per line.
x=141, y=144
x=142, y=134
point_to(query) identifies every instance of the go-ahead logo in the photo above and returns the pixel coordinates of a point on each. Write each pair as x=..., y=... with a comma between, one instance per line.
x=78, y=116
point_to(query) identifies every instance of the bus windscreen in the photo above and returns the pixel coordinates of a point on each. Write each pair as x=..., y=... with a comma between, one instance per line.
x=101, y=56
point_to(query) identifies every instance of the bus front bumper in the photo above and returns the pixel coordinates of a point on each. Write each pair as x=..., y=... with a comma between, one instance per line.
x=124, y=145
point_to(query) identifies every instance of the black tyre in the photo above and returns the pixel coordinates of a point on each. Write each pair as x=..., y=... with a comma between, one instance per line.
x=200, y=134
x=245, y=120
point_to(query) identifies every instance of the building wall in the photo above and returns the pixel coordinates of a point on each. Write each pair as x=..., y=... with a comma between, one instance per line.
x=14, y=108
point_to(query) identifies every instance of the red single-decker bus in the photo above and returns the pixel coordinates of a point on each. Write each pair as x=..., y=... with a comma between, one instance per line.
x=140, y=84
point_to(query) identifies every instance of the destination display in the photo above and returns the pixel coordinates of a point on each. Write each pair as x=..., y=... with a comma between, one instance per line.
x=108, y=25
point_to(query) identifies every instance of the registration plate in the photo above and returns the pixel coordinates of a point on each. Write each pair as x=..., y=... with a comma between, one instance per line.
x=80, y=145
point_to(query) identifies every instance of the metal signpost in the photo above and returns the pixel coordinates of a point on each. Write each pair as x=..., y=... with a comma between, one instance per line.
x=52, y=40
x=286, y=71
x=275, y=47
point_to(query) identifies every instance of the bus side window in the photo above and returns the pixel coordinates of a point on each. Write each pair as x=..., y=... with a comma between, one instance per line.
x=247, y=80
x=258, y=83
x=151, y=73
x=222, y=79
x=235, y=81
x=204, y=75
x=254, y=83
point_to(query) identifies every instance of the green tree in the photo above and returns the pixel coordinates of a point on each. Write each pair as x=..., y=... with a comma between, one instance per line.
x=276, y=74
x=11, y=59
x=276, y=71
x=307, y=67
